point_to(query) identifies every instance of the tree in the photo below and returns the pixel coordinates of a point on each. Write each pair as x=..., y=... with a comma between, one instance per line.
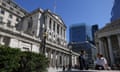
x=14, y=60
x=33, y=62
x=9, y=58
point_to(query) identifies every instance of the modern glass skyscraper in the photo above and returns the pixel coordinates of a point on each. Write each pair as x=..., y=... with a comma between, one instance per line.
x=115, y=13
x=80, y=32
x=80, y=37
x=94, y=29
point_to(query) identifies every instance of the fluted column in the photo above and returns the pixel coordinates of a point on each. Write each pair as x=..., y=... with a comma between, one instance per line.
x=118, y=37
x=62, y=56
x=49, y=56
x=58, y=59
x=100, y=46
x=110, y=50
x=68, y=59
x=59, y=30
x=54, y=58
x=52, y=25
x=65, y=60
x=106, y=49
x=64, y=35
x=56, y=28
x=47, y=23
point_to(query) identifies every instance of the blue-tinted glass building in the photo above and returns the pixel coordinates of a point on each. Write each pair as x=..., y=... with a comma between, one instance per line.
x=80, y=33
x=115, y=13
x=94, y=29
x=80, y=36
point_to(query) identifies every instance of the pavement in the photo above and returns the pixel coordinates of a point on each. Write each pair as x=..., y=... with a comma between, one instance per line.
x=77, y=70
x=74, y=70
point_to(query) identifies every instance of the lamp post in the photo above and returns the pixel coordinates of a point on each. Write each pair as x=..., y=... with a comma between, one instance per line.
x=44, y=36
x=70, y=57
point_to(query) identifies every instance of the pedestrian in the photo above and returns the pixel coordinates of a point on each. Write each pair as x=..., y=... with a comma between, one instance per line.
x=82, y=60
x=63, y=68
x=101, y=62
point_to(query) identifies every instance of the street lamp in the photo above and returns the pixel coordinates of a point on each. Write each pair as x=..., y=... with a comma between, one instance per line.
x=70, y=57
x=44, y=36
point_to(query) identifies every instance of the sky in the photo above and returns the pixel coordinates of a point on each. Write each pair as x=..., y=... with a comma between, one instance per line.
x=74, y=11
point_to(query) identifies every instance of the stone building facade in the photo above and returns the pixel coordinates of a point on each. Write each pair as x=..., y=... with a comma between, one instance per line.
x=24, y=30
x=108, y=42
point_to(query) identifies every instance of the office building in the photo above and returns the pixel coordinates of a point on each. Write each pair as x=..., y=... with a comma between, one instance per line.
x=115, y=13
x=80, y=39
x=80, y=32
x=94, y=29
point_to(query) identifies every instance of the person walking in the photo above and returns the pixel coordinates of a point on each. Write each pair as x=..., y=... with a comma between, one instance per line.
x=82, y=60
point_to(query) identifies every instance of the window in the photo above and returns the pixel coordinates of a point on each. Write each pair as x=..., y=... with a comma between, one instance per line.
x=2, y=11
x=9, y=23
x=18, y=12
x=17, y=19
x=54, y=26
x=25, y=49
x=11, y=8
x=61, y=31
x=10, y=16
x=8, y=2
x=30, y=23
x=3, y=4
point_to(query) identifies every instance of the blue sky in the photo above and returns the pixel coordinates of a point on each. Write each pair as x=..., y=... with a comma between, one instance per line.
x=74, y=11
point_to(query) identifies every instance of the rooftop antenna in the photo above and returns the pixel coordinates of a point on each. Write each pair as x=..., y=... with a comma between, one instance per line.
x=54, y=6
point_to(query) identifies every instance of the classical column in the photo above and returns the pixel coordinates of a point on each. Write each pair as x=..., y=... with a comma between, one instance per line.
x=54, y=58
x=100, y=46
x=64, y=34
x=59, y=30
x=47, y=22
x=55, y=28
x=110, y=50
x=68, y=59
x=62, y=59
x=58, y=59
x=106, y=49
x=49, y=56
x=52, y=25
x=65, y=60
x=118, y=37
